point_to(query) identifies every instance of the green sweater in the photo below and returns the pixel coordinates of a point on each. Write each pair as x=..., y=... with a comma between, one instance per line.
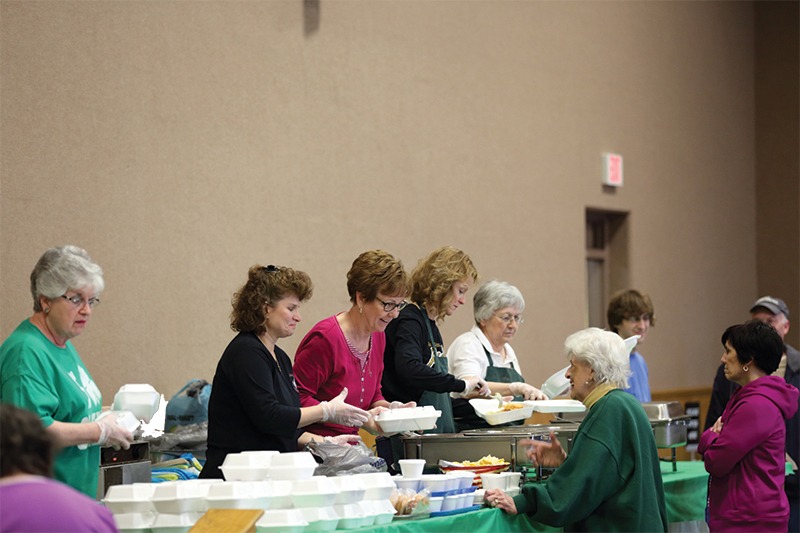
x=611, y=479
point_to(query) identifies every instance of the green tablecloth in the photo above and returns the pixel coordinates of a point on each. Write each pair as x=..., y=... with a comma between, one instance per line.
x=685, y=492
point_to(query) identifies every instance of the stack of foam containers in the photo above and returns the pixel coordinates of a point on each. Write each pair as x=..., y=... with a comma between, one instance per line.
x=283, y=485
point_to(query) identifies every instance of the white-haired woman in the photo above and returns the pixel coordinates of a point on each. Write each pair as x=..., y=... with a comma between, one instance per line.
x=43, y=373
x=485, y=350
x=611, y=480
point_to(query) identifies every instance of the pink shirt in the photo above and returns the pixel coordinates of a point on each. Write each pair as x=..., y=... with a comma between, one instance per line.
x=324, y=365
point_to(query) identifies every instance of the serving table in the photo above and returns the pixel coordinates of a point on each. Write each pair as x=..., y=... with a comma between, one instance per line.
x=685, y=491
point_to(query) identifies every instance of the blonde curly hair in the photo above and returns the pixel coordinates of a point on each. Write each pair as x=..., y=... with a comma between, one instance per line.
x=434, y=276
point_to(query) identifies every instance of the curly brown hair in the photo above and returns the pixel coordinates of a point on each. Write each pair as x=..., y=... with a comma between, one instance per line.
x=266, y=285
x=376, y=272
x=434, y=276
x=25, y=447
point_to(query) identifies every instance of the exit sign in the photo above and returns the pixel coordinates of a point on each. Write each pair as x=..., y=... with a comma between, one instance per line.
x=612, y=170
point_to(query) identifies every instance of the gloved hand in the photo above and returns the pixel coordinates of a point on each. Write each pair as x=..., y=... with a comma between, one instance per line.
x=375, y=411
x=476, y=384
x=111, y=434
x=343, y=440
x=528, y=392
x=401, y=405
x=339, y=412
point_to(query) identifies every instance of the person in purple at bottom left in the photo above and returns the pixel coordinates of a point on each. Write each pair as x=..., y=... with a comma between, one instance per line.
x=29, y=499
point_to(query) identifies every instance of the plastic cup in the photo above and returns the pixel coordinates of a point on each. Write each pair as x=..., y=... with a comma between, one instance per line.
x=412, y=467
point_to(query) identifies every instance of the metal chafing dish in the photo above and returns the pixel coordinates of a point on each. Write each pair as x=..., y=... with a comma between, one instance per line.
x=476, y=443
x=670, y=426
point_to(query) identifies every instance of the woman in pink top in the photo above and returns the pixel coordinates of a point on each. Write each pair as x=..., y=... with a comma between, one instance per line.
x=345, y=351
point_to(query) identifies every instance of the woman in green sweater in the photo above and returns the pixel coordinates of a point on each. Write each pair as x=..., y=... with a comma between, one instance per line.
x=611, y=480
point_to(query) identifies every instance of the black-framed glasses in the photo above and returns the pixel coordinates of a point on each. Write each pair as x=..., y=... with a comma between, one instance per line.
x=519, y=319
x=269, y=269
x=391, y=306
x=79, y=302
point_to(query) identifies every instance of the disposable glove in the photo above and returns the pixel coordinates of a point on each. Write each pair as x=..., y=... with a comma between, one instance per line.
x=339, y=412
x=343, y=440
x=528, y=392
x=476, y=384
x=111, y=434
x=401, y=405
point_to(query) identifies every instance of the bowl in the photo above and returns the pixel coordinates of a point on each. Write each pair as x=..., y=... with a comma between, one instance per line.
x=464, y=478
x=132, y=498
x=436, y=482
x=140, y=399
x=281, y=521
x=412, y=467
x=407, y=483
x=436, y=504
x=493, y=481
x=450, y=502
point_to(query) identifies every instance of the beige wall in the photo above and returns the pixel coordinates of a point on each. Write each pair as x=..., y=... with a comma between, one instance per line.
x=182, y=142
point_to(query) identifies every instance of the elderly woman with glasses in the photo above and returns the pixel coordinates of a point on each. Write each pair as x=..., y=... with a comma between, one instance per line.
x=42, y=372
x=485, y=350
x=345, y=351
x=254, y=403
x=611, y=479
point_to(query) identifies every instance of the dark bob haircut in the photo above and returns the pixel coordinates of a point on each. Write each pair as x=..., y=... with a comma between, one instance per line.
x=757, y=343
x=25, y=447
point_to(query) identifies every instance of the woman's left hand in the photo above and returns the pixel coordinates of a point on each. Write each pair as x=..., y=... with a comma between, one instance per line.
x=501, y=500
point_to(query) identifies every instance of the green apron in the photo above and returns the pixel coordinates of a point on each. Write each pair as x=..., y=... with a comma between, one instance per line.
x=469, y=419
x=439, y=400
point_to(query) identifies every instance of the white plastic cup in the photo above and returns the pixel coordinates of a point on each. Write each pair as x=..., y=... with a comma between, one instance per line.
x=493, y=481
x=412, y=467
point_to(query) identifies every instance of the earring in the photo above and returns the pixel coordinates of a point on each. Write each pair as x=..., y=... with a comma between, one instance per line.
x=46, y=310
x=360, y=310
x=746, y=368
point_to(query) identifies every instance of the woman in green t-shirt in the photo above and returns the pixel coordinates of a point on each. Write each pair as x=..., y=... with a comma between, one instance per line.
x=41, y=371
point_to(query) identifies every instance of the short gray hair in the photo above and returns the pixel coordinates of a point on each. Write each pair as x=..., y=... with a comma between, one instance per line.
x=62, y=268
x=494, y=295
x=604, y=351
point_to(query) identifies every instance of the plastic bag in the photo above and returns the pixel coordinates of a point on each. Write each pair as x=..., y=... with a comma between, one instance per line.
x=190, y=437
x=339, y=460
x=189, y=405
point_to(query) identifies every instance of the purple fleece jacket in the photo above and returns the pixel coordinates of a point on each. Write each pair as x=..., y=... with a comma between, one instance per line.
x=746, y=459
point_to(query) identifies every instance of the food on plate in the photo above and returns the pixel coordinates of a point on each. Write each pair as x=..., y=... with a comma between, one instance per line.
x=509, y=407
x=486, y=460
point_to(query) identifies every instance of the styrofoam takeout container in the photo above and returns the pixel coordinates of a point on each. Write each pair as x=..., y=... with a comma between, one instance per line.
x=408, y=419
x=490, y=411
x=181, y=497
x=140, y=399
x=379, y=485
x=352, y=489
x=281, y=521
x=131, y=498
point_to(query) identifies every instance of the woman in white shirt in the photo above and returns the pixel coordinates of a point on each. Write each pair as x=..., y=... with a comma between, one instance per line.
x=484, y=350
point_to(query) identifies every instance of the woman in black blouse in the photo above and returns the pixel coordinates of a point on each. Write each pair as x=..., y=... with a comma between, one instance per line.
x=254, y=402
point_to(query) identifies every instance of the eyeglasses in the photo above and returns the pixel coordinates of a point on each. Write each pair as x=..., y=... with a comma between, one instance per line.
x=79, y=302
x=508, y=318
x=271, y=268
x=391, y=306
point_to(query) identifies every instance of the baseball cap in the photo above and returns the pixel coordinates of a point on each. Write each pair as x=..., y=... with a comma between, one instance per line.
x=775, y=306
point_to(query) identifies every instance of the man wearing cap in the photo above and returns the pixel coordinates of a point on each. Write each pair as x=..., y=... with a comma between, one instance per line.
x=772, y=311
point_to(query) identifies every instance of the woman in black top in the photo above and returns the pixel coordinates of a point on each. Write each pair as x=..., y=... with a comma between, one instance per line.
x=254, y=402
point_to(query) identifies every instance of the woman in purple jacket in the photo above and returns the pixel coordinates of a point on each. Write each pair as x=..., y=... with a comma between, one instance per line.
x=744, y=450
